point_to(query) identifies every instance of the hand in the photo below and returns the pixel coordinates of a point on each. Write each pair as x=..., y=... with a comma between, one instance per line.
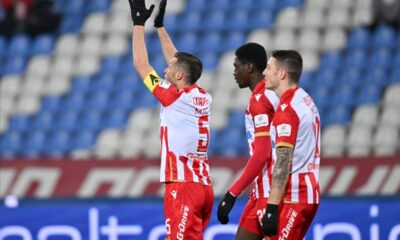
x=224, y=207
x=270, y=220
x=159, y=20
x=139, y=12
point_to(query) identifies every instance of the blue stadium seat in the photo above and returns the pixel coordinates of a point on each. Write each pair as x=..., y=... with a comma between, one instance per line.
x=219, y=5
x=145, y=100
x=43, y=44
x=70, y=23
x=111, y=65
x=190, y=21
x=322, y=95
x=91, y=120
x=83, y=139
x=171, y=23
x=102, y=82
x=269, y=5
x=327, y=77
x=3, y=44
x=20, y=123
x=59, y=144
x=68, y=120
x=395, y=76
x=74, y=7
x=332, y=60
x=196, y=5
x=377, y=76
x=209, y=60
x=291, y=3
x=74, y=101
x=14, y=65
x=159, y=64
x=11, y=143
x=51, y=103
x=81, y=84
x=98, y=100
x=211, y=42
x=371, y=93
x=233, y=39
x=123, y=99
x=356, y=58
x=116, y=118
x=385, y=36
x=97, y=6
x=360, y=38
x=44, y=121
x=232, y=142
x=242, y=4
x=214, y=21
x=236, y=119
x=19, y=45
x=345, y=95
x=381, y=57
x=35, y=144
x=127, y=82
x=339, y=114
x=262, y=18
x=307, y=80
x=351, y=76
x=187, y=42
x=237, y=20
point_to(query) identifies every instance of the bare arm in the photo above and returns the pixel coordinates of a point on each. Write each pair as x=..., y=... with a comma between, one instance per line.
x=167, y=46
x=280, y=174
x=140, y=57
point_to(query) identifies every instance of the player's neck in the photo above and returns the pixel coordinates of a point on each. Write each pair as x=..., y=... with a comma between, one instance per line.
x=255, y=80
x=284, y=87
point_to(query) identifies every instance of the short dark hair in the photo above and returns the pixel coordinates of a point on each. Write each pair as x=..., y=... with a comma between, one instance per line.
x=191, y=65
x=292, y=61
x=253, y=53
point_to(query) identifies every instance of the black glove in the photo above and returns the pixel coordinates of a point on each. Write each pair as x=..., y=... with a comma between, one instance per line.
x=159, y=20
x=139, y=12
x=224, y=207
x=270, y=220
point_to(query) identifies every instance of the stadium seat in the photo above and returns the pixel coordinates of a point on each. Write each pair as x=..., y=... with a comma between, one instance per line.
x=352, y=76
x=390, y=116
x=14, y=65
x=51, y=103
x=35, y=144
x=313, y=17
x=209, y=60
x=27, y=104
x=233, y=39
x=243, y=4
x=187, y=42
x=359, y=38
x=285, y=39
x=340, y=114
x=81, y=84
x=237, y=20
x=121, y=23
x=70, y=24
x=57, y=84
x=322, y=95
x=18, y=46
x=107, y=143
x=269, y=5
x=211, y=42
x=67, y=45
x=90, y=45
x=74, y=101
x=98, y=100
x=68, y=120
x=39, y=66
x=44, y=121
x=334, y=39
x=116, y=118
x=97, y=6
x=309, y=39
x=11, y=143
x=288, y=18
x=42, y=44
x=392, y=96
x=20, y=123
x=214, y=21
x=385, y=141
x=377, y=75
x=9, y=85
x=196, y=5
x=384, y=36
x=115, y=45
x=333, y=140
x=83, y=139
x=92, y=120
x=262, y=19
x=326, y=77
x=370, y=93
x=190, y=21
x=338, y=17
x=356, y=58
x=32, y=85
x=359, y=141
x=332, y=60
x=74, y=7
x=103, y=82
x=365, y=115
x=219, y=5
x=3, y=43
x=87, y=65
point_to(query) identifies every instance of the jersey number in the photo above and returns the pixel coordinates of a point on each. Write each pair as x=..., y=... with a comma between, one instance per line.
x=202, y=145
x=317, y=129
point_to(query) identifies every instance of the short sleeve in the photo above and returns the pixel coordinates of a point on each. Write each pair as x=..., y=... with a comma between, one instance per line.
x=262, y=112
x=286, y=123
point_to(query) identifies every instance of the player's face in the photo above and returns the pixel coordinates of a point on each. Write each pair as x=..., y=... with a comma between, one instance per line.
x=240, y=73
x=170, y=71
x=271, y=74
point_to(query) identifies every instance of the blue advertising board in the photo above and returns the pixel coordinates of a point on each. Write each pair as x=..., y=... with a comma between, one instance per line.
x=142, y=219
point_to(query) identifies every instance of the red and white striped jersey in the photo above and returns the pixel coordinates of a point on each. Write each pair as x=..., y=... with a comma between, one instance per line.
x=259, y=113
x=296, y=124
x=184, y=131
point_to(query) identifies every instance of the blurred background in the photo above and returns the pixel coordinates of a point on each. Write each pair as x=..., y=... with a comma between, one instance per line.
x=79, y=131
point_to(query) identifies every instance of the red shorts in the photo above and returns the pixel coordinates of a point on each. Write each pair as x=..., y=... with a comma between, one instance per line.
x=187, y=210
x=253, y=212
x=294, y=220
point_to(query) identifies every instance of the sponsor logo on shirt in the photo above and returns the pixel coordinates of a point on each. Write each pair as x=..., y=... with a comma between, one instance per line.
x=284, y=130
x=261, y=120
x=164, y=84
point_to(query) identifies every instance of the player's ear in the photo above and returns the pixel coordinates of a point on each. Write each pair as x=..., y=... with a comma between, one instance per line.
x=250, y=67
x=179, y=75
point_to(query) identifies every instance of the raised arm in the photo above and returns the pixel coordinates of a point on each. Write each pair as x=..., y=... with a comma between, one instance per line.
x=140, y=14
x=167, y=45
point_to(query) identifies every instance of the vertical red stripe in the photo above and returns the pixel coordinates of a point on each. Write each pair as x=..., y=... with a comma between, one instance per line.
x=168, y=174
x=289, y=189
x=315, y=186
x=196, y=168
x=187, y=172
x=303, y=196
x=172, y=159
